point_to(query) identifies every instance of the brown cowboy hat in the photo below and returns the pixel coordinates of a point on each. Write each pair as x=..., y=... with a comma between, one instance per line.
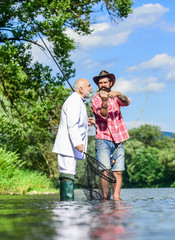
x=102, y=74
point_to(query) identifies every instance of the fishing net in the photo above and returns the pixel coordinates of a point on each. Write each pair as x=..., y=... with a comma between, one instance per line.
x=91, y=181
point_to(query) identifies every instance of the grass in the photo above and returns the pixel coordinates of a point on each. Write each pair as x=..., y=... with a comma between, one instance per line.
x=16, y=180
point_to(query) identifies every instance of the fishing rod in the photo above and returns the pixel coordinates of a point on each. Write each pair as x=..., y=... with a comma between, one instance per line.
x=48, y=49
x=54, y=59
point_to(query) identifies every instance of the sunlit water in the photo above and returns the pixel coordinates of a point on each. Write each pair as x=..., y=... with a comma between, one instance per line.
x=143, y=214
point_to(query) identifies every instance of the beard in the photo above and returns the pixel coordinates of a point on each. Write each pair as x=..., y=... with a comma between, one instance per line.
x=87, y=94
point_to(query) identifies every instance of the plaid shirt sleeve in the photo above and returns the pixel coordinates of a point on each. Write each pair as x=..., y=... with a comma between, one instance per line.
x=111, y=127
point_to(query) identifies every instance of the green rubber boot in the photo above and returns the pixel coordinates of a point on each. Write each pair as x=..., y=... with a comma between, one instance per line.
x=66, y=187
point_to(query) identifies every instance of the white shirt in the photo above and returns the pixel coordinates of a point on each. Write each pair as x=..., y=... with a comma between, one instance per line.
x=73, y=127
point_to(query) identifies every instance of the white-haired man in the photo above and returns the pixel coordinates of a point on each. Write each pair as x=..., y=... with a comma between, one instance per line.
x=71, y=140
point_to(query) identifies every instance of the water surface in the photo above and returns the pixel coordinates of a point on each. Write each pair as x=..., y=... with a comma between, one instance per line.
x=143, y=214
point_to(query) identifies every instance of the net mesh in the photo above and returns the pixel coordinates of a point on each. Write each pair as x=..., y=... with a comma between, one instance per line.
x=91, y=181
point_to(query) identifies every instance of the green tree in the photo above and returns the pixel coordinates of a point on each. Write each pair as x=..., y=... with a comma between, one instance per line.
x=146, y=134
x=145, y=170
x=149, y=158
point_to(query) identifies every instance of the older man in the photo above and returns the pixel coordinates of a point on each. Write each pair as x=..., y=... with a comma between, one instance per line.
x=111, y=130
x=71, y=140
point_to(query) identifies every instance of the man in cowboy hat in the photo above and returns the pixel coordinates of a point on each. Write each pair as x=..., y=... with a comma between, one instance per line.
x=110, y=130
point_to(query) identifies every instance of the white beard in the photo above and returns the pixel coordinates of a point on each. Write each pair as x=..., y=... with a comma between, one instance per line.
x=87, y=94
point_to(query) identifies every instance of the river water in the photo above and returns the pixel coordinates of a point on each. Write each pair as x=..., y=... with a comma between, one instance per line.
x=144, y=214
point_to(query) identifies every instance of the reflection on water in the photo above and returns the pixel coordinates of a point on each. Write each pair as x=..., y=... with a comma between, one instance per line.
x=92, y=220
x=111, y=220
x=143, y=214
x=73, y=220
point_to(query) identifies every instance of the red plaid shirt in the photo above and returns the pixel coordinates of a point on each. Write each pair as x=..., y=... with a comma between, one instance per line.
x=111, y=127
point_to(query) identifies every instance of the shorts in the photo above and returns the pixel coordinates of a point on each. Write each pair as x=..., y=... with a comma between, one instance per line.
x=67, y=164
x=104, y=148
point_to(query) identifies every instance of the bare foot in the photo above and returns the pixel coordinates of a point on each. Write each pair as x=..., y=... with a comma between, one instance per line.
x=117, y=199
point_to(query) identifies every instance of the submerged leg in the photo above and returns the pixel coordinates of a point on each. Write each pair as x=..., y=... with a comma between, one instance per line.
x=117, y=186
x=105, y=185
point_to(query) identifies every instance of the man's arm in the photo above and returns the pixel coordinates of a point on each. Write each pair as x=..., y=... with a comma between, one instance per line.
x=104, y=107
x=121, y=96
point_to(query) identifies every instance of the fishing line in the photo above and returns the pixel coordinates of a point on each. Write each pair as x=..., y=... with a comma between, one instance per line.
x=54, y=59
x=140, y=111
x=48, y=49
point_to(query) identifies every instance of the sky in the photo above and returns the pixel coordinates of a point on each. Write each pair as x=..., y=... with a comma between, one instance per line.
x=140, y=52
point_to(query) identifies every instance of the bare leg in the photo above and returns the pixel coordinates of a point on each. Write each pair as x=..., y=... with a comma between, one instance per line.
x=105, y=185
x=117, y=186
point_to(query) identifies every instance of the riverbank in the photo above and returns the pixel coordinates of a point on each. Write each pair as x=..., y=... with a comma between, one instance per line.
x=32, y=193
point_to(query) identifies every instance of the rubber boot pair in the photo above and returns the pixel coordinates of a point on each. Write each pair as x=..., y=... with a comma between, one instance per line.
x=66, y=187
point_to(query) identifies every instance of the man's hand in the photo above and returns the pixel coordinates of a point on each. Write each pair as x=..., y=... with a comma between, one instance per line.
x=91, y=121
x=113, y=94
x=79, y=147
x=122, y=97
x=103, y=94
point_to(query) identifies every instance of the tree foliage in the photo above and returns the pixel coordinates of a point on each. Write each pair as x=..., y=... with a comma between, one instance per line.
x=150, y=160
x=147, y=134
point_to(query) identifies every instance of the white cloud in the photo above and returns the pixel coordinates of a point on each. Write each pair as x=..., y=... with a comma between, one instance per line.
x=170, y=76
x=108, y=34
x=103, y=35
x=101, y=27
x=135, y=85
x=91, y=64
x=138, y=85
x=159, y=61
x=147, y=14
x=155, y=85
x=40, y=55
x=167, y=27
x=43, y=56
